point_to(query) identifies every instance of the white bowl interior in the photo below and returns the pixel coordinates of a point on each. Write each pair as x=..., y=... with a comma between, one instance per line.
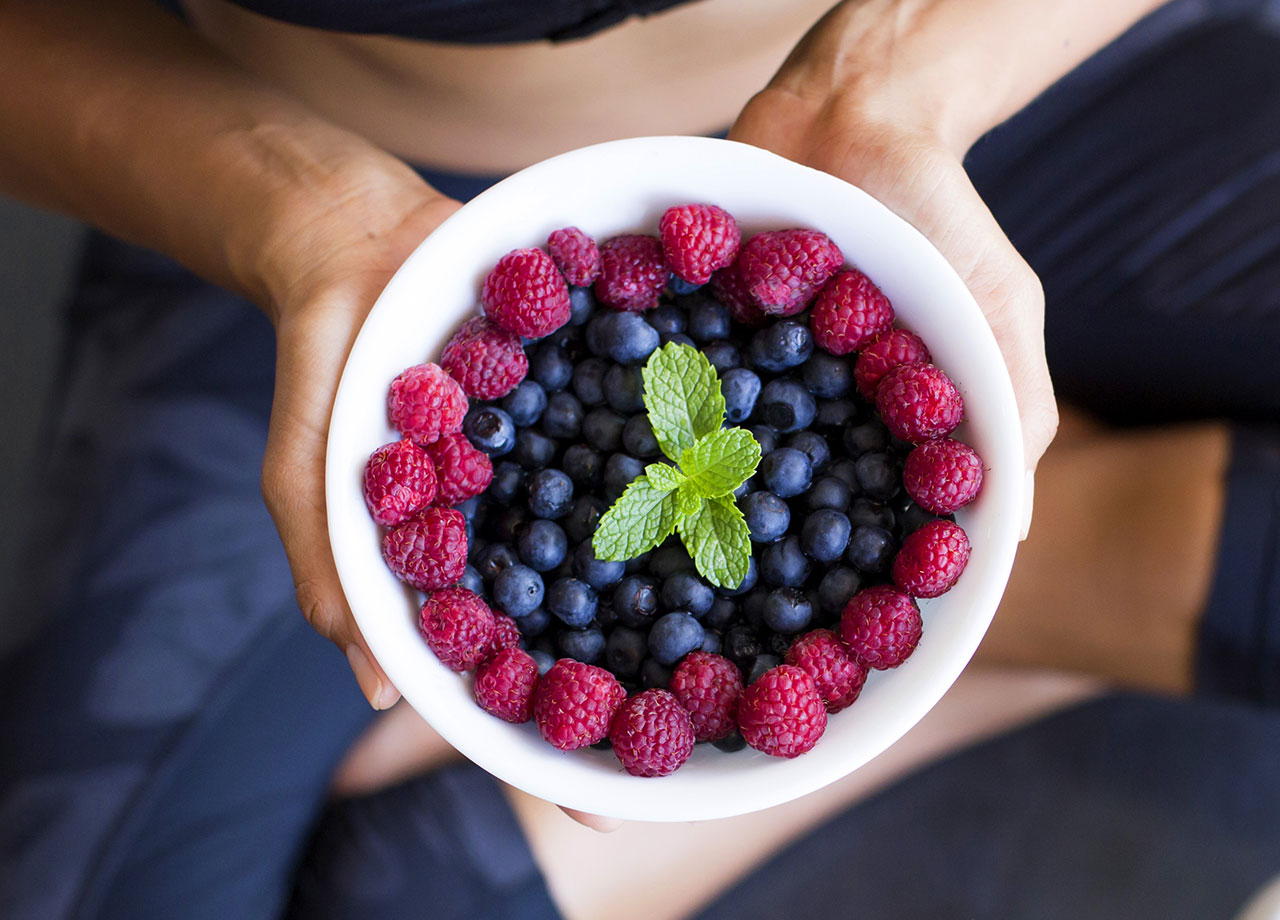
x=624, y=186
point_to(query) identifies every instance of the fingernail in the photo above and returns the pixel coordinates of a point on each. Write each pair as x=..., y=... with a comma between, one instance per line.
x=371, y=685
x=1028, y=502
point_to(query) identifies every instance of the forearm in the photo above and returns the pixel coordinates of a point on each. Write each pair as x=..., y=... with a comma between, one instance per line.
x=969, y=64
x=118, y=114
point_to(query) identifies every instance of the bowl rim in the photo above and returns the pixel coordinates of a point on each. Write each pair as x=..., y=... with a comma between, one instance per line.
x=645, y=799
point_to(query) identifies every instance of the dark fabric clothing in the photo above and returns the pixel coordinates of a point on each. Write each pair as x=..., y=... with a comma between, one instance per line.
x=169, y=737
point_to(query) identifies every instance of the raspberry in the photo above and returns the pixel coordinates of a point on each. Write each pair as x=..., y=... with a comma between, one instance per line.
x=574, y=704
x=782, y=712
x=931, y=559
x=942, y=476
x=729, y=289
x=506, y=634
x=575, y=254
x=485, y=358
x=458, y=627
x=399, y=480
x=782, y=269
x=697, y=239
x=918, y=403
x=424, y=402
x=882, y=354
x=526, y=294
x=822, y=655
x=504, y=685
x=708, y=686
x=848, y=312
x=428, y=551
x=632, y=273
x=880, y=626
x=651, y=734
x=461, y=470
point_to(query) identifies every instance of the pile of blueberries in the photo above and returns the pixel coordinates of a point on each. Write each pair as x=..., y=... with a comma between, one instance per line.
x=825, y=508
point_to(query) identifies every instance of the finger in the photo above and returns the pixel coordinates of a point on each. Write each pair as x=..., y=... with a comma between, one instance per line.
x=595, y=822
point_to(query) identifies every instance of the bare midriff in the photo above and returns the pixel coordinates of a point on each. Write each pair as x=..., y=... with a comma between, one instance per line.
x=487, y=109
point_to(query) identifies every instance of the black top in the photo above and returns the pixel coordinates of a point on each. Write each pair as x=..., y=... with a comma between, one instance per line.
x=469, y=21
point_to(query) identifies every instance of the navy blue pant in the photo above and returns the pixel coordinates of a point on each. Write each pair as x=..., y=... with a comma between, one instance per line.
x=167, y=739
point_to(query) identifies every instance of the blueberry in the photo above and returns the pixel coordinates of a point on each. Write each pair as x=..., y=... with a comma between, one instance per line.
x=470, y=508
x=595, y=332
x=722, y=613
x=711, y=642
x=673, y=636
x=768, y=516
x=780, y=346
x=666, y=318
x=638, y=565
x=784, y=405
x=525, y=403
x=638, y=438
x=741, y=389
x=534, y=624
x=580, y=523
x=815, y=447
x=550, y=367
x=627, y=338
x=784, y=564
x=588, y=381
x=542, y=545
x=871, y=435
x=598, y=573
x=545, y=642
x=766, y=437
x=625, y=650
x=581, y=304
x=871, y=549
x=624, y=388
x=787, y=610
x=545, y=663
x=824, y=535
x=503, y=525
x=846, y=471
x=865, y=512
x=533, y=450
x=602, y=429
x=679, y=338
x=836, y=588
x=507, y=485
x=573, y=601
x=708, y=320
x=835, y=414
x=472, y=581
x=518, y=590
x=669, y=559
x=619, y=470
x=762, y=664
x=731, y=743
x=828, y=376
x=495, y=558
x=748, y=581
x=550, y=494
x=786, y=472
x=912, y=518
x=563, y=416
x=606, y=618
x=583, y=465
x=490, y=430
x=741, y=645
x=635, y=601
x=686, y=591
x=878, y=475
x=654, y=674
x=723, y=356
x=585, y=645
x=829, y=492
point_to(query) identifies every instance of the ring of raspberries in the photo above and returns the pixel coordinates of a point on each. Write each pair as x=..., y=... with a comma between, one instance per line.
x=533, y=424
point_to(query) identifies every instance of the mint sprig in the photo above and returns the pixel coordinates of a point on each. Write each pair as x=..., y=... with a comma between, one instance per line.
x=693, y=498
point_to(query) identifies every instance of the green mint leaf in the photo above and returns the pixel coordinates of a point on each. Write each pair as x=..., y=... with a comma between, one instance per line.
x=664, y=476
x=639, y=520
x=689, y=499
x=682, y=394
x=720, y=462
x=719, y=542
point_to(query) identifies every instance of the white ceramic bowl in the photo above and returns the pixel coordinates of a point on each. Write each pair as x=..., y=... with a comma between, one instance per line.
x=624, y=186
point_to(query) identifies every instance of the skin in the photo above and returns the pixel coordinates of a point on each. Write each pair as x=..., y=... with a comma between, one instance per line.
x=136, y=123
